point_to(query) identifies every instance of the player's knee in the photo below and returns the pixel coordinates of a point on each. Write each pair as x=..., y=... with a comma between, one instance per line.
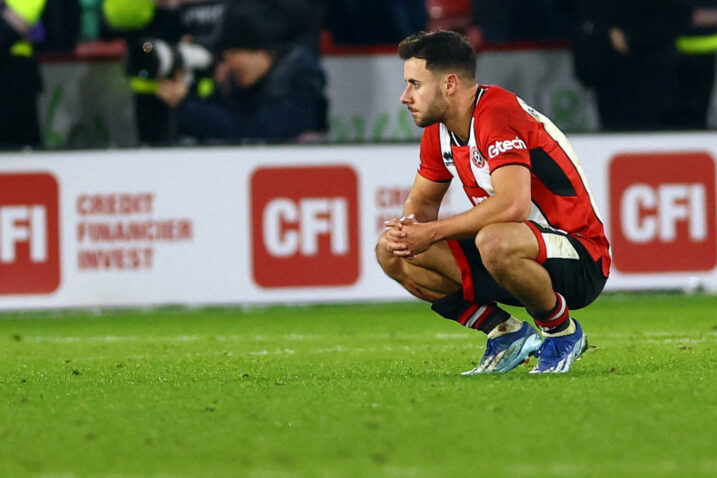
x=381, y=249
x=388, y=262
x=493, y=246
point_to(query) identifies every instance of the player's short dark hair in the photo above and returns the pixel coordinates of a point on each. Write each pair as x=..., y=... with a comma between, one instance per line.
x=442, y=50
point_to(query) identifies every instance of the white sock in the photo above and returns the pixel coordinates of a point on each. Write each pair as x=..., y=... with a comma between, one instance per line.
x=571, y=329
x=509, y=326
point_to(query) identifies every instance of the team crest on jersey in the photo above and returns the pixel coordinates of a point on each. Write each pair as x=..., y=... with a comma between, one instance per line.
x=477, y=158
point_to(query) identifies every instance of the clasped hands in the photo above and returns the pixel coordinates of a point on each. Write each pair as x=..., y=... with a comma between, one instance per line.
x=407, y=237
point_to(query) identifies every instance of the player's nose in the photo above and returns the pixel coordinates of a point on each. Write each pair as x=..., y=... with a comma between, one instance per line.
x=405, y=98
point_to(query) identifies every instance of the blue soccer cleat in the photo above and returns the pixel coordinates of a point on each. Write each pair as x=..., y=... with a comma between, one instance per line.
x=557, y=354
x=506, y=352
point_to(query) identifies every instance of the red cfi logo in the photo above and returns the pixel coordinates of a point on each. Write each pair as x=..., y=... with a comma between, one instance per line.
x=29, y=234
x=305, y=226
x=662, y=212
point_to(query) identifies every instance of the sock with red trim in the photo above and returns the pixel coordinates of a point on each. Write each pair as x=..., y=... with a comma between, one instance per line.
x=483, y=317
x=555, y=320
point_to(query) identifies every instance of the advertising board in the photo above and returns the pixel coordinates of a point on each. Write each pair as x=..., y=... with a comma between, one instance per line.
x=262, y=225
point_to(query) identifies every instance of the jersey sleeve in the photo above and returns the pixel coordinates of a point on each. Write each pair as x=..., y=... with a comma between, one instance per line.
x=503, y=132
x=432, y=166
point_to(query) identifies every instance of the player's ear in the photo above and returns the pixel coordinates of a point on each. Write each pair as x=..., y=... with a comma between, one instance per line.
x=451, y=83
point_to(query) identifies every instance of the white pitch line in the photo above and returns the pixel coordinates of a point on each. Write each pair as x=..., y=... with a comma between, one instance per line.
x=114, y=338
x=641, y=338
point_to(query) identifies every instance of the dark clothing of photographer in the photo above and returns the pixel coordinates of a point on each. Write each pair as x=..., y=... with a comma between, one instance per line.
x=270, y=86
x=286, y=103
x=20, y=80
x=170, y=22
x=20, y=86
x=157, y=121
x=697, y=45
x=626, y=53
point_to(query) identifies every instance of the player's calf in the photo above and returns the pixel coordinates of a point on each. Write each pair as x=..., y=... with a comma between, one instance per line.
x=510, y=341
x=423, y=283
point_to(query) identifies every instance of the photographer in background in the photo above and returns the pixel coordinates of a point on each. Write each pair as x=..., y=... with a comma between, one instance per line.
x=20, y=81
x=195, y=21
x=269, y=88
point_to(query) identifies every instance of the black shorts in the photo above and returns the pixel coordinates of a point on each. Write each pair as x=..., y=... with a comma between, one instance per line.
x=575, y=275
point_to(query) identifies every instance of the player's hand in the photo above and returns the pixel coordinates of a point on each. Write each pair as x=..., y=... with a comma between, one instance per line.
x=407, y=237
x=395, y=228
x=395, y=234
x=398, y=222
x=417, y=238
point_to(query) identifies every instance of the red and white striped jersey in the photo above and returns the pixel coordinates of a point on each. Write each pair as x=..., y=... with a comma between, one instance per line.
x=505, y=130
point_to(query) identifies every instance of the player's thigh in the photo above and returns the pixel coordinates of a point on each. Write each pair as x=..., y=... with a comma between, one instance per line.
x=497, y=242
x=438, y=258
x=572, y=270
x=479, y=286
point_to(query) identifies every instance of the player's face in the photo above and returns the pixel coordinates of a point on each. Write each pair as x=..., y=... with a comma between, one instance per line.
x=423, y=95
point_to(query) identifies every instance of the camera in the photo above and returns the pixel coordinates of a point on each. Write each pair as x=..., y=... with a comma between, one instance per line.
x=155, y=59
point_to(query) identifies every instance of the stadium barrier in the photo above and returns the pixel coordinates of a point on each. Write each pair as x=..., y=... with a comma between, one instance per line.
x=262, y=225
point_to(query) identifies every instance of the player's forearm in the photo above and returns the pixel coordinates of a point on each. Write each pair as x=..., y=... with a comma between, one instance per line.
x=423, y=211
x=491, y=211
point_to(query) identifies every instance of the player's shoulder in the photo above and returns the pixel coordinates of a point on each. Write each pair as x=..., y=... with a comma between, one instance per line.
x=494, y=97
x=498, y=108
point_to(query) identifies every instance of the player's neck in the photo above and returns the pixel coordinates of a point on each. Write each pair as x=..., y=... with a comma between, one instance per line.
x=460, y=114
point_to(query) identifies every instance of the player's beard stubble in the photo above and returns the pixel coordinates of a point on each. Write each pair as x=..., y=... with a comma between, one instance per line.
x=435, y=113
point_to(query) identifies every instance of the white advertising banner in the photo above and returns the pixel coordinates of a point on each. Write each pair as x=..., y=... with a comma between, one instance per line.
x=656, y=193
x=260, y=225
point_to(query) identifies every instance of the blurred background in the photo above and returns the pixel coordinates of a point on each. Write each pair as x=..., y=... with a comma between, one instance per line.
x=248, y=151
x=87, y=73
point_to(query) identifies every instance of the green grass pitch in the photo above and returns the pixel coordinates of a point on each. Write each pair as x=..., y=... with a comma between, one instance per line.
x=367, y=390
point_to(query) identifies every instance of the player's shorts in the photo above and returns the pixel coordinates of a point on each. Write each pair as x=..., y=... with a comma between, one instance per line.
x=575, y=275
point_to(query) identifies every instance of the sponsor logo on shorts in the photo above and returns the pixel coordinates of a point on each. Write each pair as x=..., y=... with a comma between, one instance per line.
x=502, y=146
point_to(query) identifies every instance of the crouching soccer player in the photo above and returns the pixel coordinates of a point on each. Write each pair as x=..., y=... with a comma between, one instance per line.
x=533, y=237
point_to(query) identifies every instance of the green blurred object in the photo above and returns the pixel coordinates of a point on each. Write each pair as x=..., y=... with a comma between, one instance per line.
x=128, y=14
x=28, y=10
x=90, y=19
